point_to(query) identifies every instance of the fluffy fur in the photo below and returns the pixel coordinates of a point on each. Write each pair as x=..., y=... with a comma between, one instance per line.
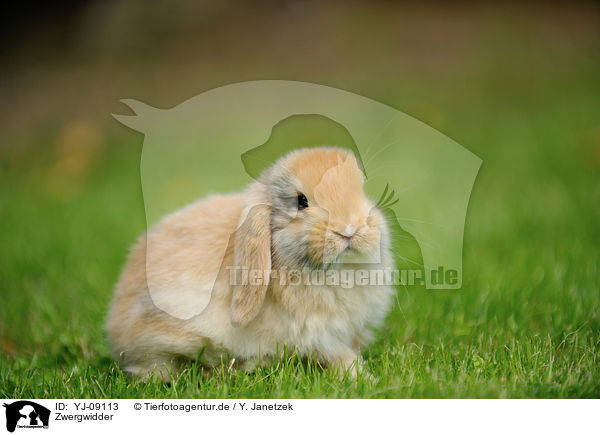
x=261, y=229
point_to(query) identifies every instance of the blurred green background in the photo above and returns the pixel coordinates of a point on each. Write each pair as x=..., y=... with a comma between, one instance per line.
x=517, y=84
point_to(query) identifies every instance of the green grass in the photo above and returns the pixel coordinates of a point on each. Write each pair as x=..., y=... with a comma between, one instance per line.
x=525, y=324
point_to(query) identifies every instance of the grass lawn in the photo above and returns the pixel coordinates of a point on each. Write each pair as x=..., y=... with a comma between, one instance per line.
x=525, y=324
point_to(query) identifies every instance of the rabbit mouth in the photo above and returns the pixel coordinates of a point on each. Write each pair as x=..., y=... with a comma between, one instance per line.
x=349, y=249
x=347, y=253
x=350, y=255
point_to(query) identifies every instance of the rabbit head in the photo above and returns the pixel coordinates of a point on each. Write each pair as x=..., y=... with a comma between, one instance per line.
x=309, y=210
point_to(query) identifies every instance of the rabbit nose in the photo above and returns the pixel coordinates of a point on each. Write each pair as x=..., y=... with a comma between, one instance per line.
x=348, y=231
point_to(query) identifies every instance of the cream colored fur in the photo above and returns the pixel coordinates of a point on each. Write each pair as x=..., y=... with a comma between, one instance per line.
x=259, y=228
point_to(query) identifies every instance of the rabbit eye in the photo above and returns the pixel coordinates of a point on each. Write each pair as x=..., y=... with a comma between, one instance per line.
x=302, y=201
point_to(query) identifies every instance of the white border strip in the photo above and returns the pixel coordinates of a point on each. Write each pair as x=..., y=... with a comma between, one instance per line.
x=245, y=416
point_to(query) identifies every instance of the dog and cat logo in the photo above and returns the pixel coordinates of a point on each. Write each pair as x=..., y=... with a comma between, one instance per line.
x=25, y=414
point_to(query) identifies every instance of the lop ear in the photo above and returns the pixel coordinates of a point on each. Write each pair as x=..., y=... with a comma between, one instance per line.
x=252, y=253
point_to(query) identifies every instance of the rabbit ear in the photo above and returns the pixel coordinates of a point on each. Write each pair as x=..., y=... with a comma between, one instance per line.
x=252, y=253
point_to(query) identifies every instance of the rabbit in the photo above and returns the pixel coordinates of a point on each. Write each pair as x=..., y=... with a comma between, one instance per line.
x=306, y=212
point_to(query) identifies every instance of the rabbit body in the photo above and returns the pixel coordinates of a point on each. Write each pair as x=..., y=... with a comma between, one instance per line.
x=187, y=261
